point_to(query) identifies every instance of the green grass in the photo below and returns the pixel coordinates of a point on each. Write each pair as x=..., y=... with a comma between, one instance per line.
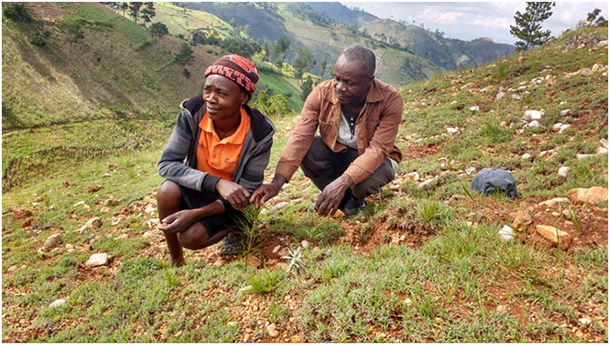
x=458, y=284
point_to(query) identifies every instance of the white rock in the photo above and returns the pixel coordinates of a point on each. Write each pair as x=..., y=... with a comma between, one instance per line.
x=565, y=112
x=305, y=244
x=475, y=108
x=452, y=130
x=533, y=124
x=500, y=95
x=601, y=151
x=506, y=233
x=526, y=157
x=563, y=171
x=99, y=259
x=564, y=127
x=603, y=143
x=585, y=321
x=532, y=115
x=57, y=303
x=583, y=156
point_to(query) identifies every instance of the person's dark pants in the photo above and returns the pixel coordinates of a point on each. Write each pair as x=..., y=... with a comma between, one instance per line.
x=323, y=166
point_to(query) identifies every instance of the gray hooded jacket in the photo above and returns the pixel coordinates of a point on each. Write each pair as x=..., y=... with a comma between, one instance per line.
x=183, y=142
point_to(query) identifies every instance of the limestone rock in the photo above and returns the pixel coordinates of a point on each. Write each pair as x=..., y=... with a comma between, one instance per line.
x=554, y=235
x=521, y=220
x=57, y=303
x=589, y=195
x=96, y=260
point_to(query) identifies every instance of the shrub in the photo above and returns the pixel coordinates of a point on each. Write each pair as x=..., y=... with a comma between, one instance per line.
x=17, y=13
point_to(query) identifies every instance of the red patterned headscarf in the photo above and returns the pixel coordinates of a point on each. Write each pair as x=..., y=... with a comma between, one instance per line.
x=237, y=68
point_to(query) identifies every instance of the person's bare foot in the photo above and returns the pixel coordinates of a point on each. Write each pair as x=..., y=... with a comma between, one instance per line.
x=178, y=262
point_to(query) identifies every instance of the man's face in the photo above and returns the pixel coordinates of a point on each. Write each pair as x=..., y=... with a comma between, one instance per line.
x=351, y=83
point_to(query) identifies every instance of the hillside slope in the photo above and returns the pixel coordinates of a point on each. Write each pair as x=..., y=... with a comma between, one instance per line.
x=115, y=90
x=84, y=261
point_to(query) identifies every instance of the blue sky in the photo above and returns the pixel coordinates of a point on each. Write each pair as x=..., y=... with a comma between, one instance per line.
x=471, y=20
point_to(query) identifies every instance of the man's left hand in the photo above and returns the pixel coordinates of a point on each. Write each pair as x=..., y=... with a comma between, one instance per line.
x=329, y=200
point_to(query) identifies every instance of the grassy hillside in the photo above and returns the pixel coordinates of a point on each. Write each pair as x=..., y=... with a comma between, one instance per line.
x=422, y=263
x=115, y=90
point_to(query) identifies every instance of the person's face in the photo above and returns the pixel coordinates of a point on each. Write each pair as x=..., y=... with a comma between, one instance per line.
x=351, y=83
x=223, y=98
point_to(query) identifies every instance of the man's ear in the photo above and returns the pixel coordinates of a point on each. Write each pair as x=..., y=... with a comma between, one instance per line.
x=244, y=98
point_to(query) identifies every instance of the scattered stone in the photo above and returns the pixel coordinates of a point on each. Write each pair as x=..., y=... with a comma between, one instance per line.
x=95, y=189
x=427, y=184
x=506, y=234
x=12, y=269
x=305, y=244
x=565, y=112
x=475, y=108
x=271, y=329
x=521, y=220
x=500, y=95
x=451, y=130
x=585, y=321
x=526, y=157
x=106, y=175
x=295, y=339
x=408, y=302
x=588, y=195
x=277, y=248
x=105, y=209
x=111, y=202
x=96, y=260
x=534, y=124
x=91, y=224
x=554, y=235
x=532, y=115
x=52, y=242
x=154, y=236
x=515, y=97
x=563, y=171
x=254, y=261
x=57, y=303
x=278, y=206
x=554, y=201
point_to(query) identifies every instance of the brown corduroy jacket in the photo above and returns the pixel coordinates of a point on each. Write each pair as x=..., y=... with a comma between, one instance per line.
x=377, y=127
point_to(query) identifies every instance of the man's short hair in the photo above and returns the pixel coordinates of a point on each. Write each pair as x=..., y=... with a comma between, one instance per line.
x=364, y=55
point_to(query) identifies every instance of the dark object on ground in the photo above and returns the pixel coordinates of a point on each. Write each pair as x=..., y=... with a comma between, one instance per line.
x=494, y=180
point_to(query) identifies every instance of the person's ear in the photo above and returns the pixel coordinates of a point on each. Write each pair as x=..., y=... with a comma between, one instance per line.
x=244, y=98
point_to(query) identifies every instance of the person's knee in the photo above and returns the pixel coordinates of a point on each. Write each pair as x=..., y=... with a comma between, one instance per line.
x=193, y=238
x=168, y=193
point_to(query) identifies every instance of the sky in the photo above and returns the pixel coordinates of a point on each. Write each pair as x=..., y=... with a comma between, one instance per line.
x=470, y=20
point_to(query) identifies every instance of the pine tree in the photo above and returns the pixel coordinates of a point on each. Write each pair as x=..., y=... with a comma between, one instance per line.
x=528, y=28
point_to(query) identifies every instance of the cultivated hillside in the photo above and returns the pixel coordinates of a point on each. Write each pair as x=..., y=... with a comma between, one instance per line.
x=433, y=46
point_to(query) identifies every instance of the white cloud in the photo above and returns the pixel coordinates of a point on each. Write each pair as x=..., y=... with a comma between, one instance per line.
x=470, y=20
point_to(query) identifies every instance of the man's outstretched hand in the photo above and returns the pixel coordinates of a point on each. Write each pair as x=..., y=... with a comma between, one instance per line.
x=267, y=191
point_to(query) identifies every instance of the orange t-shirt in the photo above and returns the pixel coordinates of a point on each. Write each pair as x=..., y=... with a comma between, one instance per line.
x=219, y=157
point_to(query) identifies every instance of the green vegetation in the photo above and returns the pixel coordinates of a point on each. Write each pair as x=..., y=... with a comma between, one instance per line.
x=420, y=264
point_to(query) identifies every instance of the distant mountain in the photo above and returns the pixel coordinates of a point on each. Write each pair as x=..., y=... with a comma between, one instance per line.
x=447, y=53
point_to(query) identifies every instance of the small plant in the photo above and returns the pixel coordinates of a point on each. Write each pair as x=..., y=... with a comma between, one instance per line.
x=248, y=226
x=295, y=257
x=265, y=281
x=575, y=218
